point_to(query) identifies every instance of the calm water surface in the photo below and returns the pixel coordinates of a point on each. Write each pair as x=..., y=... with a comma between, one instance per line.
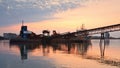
x=59, y=55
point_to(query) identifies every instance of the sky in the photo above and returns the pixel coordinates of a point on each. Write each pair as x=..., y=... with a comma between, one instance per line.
x=60, y=15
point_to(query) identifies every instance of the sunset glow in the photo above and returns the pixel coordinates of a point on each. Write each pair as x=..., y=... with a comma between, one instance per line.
x=59, y=33
x=93, y=14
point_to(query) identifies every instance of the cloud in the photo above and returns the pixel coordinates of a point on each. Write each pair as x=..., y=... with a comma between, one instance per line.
x=41, y=4
x=12, y=11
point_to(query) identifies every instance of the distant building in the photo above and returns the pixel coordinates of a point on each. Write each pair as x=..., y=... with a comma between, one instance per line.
x=1, y=38
x=10, y=35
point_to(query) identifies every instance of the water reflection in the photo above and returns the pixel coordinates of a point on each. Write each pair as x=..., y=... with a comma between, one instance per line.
x=75, y=48
x=67, y=47
x=83, y=48
x=23, y=52
x=46, y=49
x=58, y=49
x=103, y=44
x=25, y=48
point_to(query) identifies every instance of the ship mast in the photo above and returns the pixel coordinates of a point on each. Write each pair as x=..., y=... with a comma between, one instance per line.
x=22, y=23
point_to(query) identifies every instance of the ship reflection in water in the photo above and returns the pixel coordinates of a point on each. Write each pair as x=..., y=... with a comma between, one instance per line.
x=60, y=55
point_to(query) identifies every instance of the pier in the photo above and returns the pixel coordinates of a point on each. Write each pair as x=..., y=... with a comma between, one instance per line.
x=100, y=30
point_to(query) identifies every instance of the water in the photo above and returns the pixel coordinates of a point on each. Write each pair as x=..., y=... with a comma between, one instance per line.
x=60, y=55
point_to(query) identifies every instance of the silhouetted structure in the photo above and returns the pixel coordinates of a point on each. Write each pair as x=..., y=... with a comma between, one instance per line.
x=54, y=32
x=46, y=33
x=23, y=28
x=85, y=33
x=25, y=34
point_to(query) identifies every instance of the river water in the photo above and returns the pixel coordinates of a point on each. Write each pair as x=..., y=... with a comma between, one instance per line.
x=94, y=54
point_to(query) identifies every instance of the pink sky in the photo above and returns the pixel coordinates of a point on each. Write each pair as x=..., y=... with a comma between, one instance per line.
x=93, y=14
